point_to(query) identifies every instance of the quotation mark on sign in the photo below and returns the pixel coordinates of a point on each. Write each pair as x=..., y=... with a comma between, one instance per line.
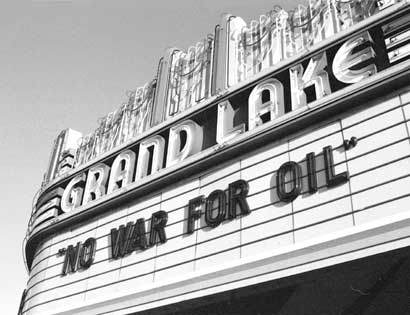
x=350, y=144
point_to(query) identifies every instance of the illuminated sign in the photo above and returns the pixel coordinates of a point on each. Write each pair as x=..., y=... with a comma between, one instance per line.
x=218, y=206
x=235, y=53
x=289, y=88
x=283, y=92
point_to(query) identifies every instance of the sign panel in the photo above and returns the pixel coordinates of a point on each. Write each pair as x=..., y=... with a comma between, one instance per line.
x=235, y=53
x=280, y=93
x=100, y=266
x=322, y=194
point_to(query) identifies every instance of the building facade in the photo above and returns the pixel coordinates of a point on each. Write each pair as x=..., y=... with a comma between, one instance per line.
x=264, y=170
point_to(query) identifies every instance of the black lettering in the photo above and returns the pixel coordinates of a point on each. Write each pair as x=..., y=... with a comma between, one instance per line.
x=311, y=172
x=220, y=197
x=237, y=192
x=295, y=170
x=120, y=239
x=194, y=213
x=87, y=253
x=331, y=178
x=70, y=259
x=129, y=229
x=138, y=238
x=158, y=221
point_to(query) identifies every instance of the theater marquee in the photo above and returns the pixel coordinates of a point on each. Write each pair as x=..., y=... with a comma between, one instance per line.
x=291, y=89
x=219, y=205
x=264, y=148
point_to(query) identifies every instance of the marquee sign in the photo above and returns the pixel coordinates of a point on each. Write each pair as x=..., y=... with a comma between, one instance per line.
x=235, y=53
x=218, y=206
x=213, y=66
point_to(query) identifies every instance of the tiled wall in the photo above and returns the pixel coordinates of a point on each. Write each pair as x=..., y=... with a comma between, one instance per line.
x=379, y=186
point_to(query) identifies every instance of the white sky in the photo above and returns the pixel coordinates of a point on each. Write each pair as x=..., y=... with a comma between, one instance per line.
x=65, y=64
